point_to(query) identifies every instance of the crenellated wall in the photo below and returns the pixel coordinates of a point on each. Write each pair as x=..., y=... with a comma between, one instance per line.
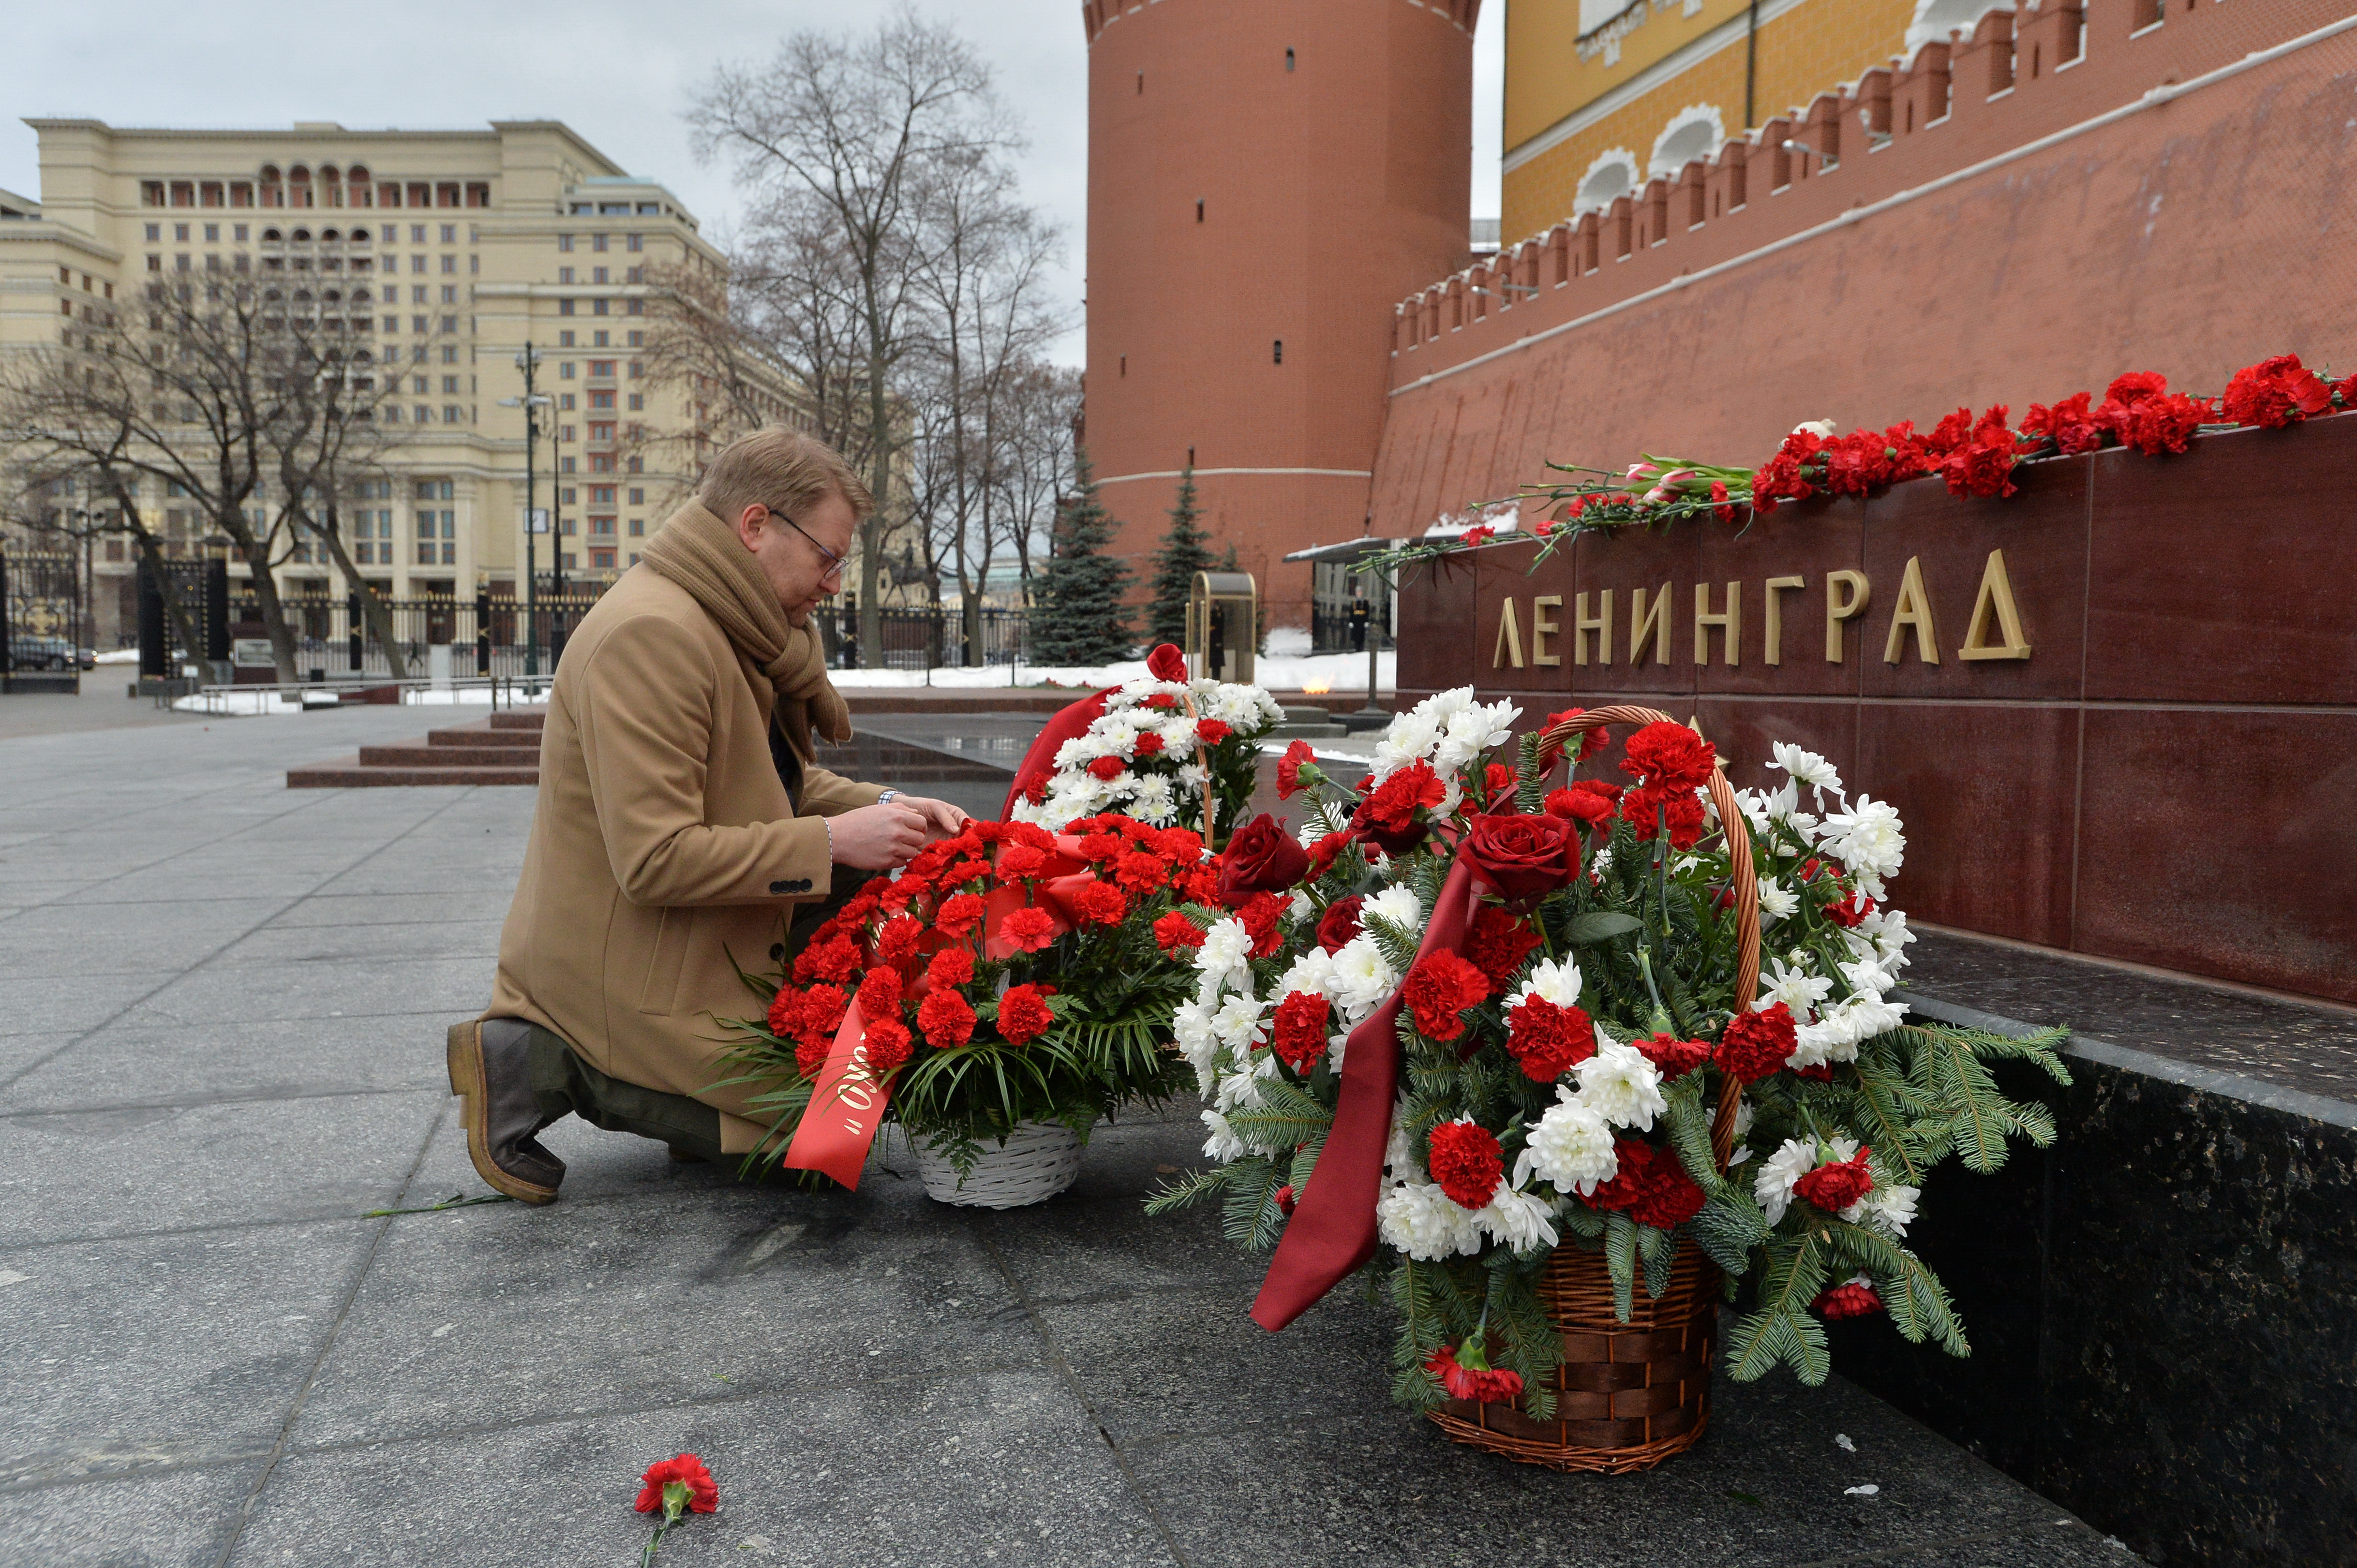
x=2072, y=191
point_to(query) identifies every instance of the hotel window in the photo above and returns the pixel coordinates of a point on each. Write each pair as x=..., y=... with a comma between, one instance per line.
x=474, y=263
x=564, y=433
x=598, y=308
x=420, y=384
x=602, y=527
x=597, y=274
x=565, y=241
x=565, y=339
x=597, y=340
x=601, y=560
x=638, y=403
x=567, y=463
x=601, y=462
x=601, y=430
x=601, y=495
x=565, y=369
x=636, y=340
x=450, y=236
x=450, y=384
x=154, y=234
x=564, y=275
x=373, y=533
x=601, y=399
x=180, y=232
x=637, y=243
x=449, y=324
x=417, y=237
x=450, y=293
x=596, y=241
x=601, y=370
x=637, y=527
x=638, y=497
x=437, y=538
x=212, y=233
x=452, y=414
x=422, y=415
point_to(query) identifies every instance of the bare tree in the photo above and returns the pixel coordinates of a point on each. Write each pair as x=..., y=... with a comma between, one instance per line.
x=1041, y=403
x=841, y=128
x=331, y=438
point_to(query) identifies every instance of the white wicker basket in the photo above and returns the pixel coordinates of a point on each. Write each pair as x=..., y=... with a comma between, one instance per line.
x=1038, y=1160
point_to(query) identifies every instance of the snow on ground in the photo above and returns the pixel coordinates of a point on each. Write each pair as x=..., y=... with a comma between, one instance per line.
x=1278, y=673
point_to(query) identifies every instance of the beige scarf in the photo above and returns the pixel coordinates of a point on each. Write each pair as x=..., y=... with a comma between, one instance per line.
x=702, y=555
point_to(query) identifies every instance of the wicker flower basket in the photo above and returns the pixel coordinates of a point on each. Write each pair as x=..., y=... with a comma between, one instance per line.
x=1038, y=1160
x=1631, y=1394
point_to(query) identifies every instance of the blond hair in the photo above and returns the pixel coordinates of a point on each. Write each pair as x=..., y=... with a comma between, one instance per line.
x=782, y=470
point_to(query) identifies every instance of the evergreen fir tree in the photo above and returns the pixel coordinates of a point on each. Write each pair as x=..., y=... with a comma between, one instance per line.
x=1077, y=614
x=1186, y=550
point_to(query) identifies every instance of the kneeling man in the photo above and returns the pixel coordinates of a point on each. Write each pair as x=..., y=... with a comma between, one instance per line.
x=680, y=820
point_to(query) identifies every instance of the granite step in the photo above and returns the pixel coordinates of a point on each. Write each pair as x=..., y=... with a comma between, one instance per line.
x=478, y=736
x=448, y=754
x=354, y=773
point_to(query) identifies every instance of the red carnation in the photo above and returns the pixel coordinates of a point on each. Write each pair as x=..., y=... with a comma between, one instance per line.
x=1284, y=1199
x=1836, y=1184
x=1548, y=1040
x=1139, y=872
x=898, y=939
x=951, y=966
x=1849, y=911
x=1260, y=915
x=1590, y=800
x=2070, y=424
x=1851, y=1300
x=1666, y=757
x=783, y=1009
x=880, y=993
x=1030, y=928
x=1300, y=1036
x=887, y=1046
x=1754, y=1045
x=1650, y=1186
x=1497, y=780
x=1650, y=811
x=958, y=915
x=1323, y=854
x=1465, y=1159
x=1149, y=743
x=1483, y=1383
x=1099, y=844
x=835, y=959
x=1020, y=862
x=1983, y=465
x=1497, y=942
x=1023, y=1014
x=1211, y=732
x=1107, y=768
x=1175, y=931
x=1439, y=989
x=1387, y=816
x=1288, y=770
x=2276, y=393
x=1673, y=1056
x=1340, y=922
x=1590, y=741
x=2135, y=387
x=687, y=1471
x=947, y=1019
x=1100, y=904
x=1180, y=846
x=811, y=1055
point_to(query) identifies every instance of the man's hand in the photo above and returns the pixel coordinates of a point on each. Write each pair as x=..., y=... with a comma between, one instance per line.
x=877, y=838
x=941, y=817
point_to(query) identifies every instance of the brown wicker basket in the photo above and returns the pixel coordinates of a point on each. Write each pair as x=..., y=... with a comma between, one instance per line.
x=1629, y=1394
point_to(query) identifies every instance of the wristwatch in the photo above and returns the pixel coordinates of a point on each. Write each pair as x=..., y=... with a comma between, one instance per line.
x=889, y=796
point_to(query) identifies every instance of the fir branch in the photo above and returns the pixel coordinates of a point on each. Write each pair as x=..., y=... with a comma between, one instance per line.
x=1783, y=1329
x=1918, y=1303
x=1729, y=1227
x=1621, y=1258
x=1190, y=1189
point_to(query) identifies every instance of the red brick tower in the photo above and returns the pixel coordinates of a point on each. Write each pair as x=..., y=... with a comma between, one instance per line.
x=1266, y=180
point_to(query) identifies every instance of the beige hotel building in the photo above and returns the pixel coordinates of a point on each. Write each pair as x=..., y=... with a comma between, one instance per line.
x=450, y=251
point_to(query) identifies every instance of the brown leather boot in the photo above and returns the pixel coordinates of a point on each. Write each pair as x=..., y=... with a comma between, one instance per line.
x=491, y=1072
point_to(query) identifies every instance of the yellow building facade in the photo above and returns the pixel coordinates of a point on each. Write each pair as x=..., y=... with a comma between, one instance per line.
x=450, y=252
x=1601, y=95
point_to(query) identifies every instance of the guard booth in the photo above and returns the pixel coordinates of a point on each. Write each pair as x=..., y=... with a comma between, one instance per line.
x=1222, y=625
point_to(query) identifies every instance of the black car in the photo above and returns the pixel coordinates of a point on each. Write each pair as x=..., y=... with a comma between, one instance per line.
x=27, y=652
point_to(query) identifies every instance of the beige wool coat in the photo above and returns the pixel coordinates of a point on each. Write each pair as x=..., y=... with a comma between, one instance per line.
x=662, y=844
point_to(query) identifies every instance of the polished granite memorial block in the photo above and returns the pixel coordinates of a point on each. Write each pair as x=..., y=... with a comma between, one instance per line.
x=2158, y=1305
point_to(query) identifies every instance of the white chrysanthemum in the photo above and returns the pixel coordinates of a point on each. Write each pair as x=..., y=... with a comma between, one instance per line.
x=1190, y=775
x=1222, y=1145
x=1804, y=767
x=1887, y=929
x=1746, y=1113
x=1227, y=947
x=1240, y=1090
x=1889, y=1209
x=1794, y=986
x=1619, y=1084
x=1299, y=904
x=1190, y=1026
x=1424, y=1222
x=1311, y=974
x=1550, y=980
x=1153, y=801
x=1399, y=904
x=1570, y=1146
x=1600, y=862
x=1473, y=730
x=1776, y=900
x=1867, y=839
x=1362, y=977
x=1521, y=1220
x=1400, y=1161
x=1238, y=1024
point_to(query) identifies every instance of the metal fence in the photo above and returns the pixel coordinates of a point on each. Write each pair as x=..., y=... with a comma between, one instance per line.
x=926, y=637
x=488, y=636
x=40, y=613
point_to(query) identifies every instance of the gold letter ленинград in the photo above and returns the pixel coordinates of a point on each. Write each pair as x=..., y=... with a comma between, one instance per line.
x=1847, y=594
x=1775, y=630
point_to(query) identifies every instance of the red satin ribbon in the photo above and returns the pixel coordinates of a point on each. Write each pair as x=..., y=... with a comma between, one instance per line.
x=846, y=1106
x=1333, y=1231
x=1165, y=664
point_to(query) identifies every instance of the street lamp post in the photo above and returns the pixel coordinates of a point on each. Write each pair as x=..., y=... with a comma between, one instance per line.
x=531, y=403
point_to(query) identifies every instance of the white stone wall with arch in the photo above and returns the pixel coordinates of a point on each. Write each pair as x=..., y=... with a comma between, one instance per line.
x=1613, y=173
x=1697, y=131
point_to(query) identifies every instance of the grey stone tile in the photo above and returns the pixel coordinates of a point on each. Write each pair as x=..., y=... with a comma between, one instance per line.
x=68, y=1004
x=109, y=1173
x=2062, y=1542
x=181, y=1520
x=257, y=992
x=161, y=1351
x=481, y=905
x=171, y=881
x=502, y=1312
x=391, y=873
x=364, y=943
x=185, y=1064
x=152, y=939
x=1000, y=1467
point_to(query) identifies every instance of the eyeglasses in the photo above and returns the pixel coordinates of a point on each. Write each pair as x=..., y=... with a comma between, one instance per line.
x=834, y=563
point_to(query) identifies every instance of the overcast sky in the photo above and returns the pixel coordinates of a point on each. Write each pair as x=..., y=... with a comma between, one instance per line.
x=618, y=73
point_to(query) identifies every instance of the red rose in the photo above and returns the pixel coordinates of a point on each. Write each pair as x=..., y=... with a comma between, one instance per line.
x=1754, y=1045
x=1023, y=1014
x=1175, y=931
x=1340, y=922
x=1487, y=1384
x=1651, y=1185
x=686, y=1471
x=1851, y=1300
x=880, y=993
x=951, y=966
x=1262, y=858
x=1107, y=768
x=1523, y=857
x=1211, y=732
x=1439, y=989
x=1498, y=941
x=1465, y=1159
x=1100, y=904
x=1836, y=1184
x=1673, y=1056
x=1260, y=914
x=1548, y=1040
x=1149, y=743
x=887, y=1046
x=1299, y=1038
x=1030, y=928
x=1669, y=756
x=1288, y=770
x=947, y=1019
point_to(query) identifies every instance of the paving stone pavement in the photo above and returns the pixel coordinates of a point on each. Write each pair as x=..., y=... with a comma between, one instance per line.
x=221, y=1007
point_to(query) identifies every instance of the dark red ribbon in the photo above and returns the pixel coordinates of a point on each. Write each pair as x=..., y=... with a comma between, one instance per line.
x=1332, y=1231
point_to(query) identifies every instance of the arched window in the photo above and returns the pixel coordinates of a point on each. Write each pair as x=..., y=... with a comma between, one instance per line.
x=271, y=236
x=357, y=174
x=270, y=173
x=329, y=235
x=1934, y=19
x=1697, y=132
x=1612, y=174
x=302, y=236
